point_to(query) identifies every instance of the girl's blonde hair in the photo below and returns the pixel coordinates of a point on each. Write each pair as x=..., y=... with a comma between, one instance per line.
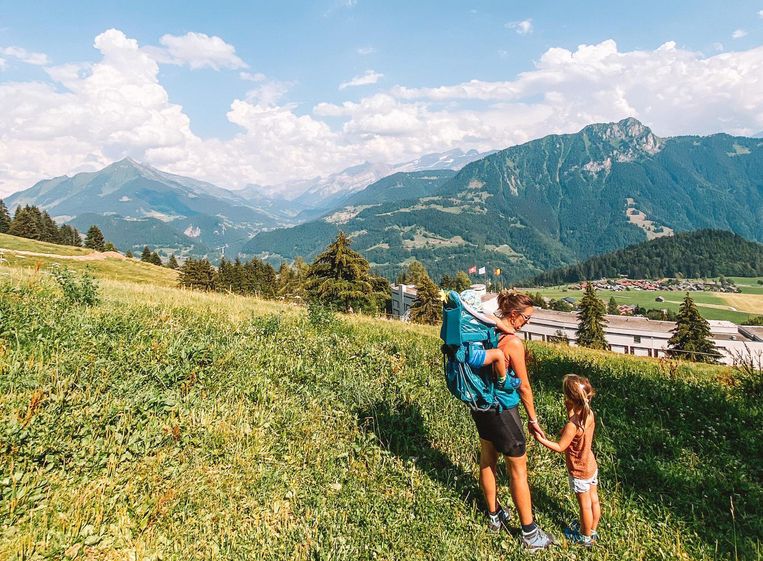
x=579, y=391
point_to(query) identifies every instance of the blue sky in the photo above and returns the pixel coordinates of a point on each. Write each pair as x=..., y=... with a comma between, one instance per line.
x=285, y=62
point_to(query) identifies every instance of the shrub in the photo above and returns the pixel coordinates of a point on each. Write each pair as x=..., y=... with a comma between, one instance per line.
x=82, y=290
x=320, y=315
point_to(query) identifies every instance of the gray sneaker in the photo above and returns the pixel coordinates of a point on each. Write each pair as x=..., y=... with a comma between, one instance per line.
x=498, y=521
x=537, y=540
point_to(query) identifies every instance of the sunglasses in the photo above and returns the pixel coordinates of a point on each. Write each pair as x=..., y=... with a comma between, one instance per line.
x=525, y=317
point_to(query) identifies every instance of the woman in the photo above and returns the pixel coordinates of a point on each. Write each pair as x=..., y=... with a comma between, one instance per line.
x=503, y=433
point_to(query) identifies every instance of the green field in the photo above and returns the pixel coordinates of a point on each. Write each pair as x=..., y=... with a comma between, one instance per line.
x=711, y=305
x=60, y=255
x=167, y=424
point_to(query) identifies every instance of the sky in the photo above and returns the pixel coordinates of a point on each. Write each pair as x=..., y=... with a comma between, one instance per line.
x=269, y=92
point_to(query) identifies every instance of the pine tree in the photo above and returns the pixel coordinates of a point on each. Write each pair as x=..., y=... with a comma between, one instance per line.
x=691, y=336
x=49, y=231
x=428, y=306
x=291, y=280
x=69, y=235
x=25, y=224
x=340, y=277
x=462, y=282
x=108, y=246
x=591, y=321
x=198, y=274
x=413, y=273
x=154, y=259
x=612, y=307
x=5, y=218
x=129, y=254
x=94, y=238
x=172, y=263
x=145, y=256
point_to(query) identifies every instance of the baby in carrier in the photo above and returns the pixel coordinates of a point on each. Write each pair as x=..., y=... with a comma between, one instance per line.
x=478, y=356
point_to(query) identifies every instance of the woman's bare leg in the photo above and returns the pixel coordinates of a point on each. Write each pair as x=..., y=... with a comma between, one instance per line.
x=488, y=462
x=520, y=488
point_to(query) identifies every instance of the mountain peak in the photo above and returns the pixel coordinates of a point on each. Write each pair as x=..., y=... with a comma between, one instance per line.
x=629, y=137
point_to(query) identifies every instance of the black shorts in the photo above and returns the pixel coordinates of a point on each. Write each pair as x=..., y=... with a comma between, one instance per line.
x=503, y=429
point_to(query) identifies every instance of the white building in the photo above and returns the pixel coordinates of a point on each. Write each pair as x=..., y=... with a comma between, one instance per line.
x=638, y=336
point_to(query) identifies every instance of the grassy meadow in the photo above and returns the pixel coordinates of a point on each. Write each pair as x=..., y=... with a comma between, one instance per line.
x=168, y=424
x=712, y=305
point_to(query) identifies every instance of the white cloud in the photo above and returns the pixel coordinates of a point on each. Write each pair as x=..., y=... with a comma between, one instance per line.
x=93, y=114
x=197, y=50
x=738, y=34
x=37, y=59
x=252, y=77
x=364, y=51
x=760, y=14
x=2, y=64
x=365, y=79
x=523, y=27
x=718, y=47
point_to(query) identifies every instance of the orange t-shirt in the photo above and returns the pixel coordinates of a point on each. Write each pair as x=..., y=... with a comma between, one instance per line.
x=581, y=463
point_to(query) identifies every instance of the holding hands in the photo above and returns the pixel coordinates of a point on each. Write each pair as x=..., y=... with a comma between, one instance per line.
x=535, y=430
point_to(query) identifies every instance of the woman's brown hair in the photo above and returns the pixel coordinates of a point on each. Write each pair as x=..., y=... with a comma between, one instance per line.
x=511, y=302
x=579, y=391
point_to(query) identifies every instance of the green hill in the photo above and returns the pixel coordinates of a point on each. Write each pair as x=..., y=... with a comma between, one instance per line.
x=555, y=201
x=179, y=425
x=703, y=253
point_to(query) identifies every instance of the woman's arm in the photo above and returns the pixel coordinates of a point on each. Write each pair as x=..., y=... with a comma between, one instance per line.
x=500, y=324
x=565, y=439
x=515, y=351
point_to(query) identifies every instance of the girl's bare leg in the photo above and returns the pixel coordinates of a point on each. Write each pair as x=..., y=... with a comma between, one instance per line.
x=595, y=507
x=498, y=360
x=586, y=513
x=488, y=463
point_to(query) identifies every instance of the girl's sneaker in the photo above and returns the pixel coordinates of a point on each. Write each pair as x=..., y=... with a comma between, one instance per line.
x=575, y=527
x=576, y=537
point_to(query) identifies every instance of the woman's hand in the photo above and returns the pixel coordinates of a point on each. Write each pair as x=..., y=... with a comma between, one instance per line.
x=535, y=429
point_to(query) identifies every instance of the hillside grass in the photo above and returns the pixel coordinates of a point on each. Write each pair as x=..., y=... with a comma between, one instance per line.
x=712, y=305
x=166, y=424
x=133, y=270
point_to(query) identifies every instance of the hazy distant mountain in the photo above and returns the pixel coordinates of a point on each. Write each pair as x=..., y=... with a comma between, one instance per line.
x=325, y=193
x=205, y=214
x=552, y=202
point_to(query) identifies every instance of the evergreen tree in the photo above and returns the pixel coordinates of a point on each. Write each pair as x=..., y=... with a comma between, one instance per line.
x=198, y=274
x=172, y=263
x=110, y=247
x=69, y=235
x=224, y=278
x=291, y=280
x=691, y=336
x=25, y=224
x=413, y=273
x=145, y=256
x=461, y=282
x=94, y=238
x=49, y=231
x=340, y=277
x=154, y=259
x=5, y=218
x=612, y=307
x=428, y=305
x=129, y=254
x=591, y=321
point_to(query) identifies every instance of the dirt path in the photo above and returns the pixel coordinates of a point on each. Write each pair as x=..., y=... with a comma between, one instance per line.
x=94, y=256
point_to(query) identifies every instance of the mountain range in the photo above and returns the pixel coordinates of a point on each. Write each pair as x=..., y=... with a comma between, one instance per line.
x=551, y=202
x=135, y=204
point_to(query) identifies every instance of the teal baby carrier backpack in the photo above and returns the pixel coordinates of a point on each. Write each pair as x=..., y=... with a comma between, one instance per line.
x=463, y=327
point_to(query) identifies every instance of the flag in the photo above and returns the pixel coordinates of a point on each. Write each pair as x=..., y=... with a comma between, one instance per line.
x=482, y=270
x=497, y=272
x=472, y=270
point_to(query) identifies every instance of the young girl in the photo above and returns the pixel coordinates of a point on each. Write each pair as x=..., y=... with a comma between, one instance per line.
x=575, y=441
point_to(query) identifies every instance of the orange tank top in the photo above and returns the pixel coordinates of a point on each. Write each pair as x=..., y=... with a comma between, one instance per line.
x=581, y=463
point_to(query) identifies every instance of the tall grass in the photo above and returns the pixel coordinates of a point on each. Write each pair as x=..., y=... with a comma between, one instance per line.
x=168, y=424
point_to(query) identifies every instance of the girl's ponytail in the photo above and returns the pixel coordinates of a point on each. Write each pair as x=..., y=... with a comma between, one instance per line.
x=580, y=392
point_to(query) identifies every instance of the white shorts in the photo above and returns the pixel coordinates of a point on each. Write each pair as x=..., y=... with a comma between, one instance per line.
x=584, y=485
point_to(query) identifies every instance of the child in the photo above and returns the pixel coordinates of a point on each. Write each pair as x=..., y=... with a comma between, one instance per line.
x=480, y=357
x=575, y=441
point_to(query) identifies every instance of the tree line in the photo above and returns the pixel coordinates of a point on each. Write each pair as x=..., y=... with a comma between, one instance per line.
x=698, y=254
